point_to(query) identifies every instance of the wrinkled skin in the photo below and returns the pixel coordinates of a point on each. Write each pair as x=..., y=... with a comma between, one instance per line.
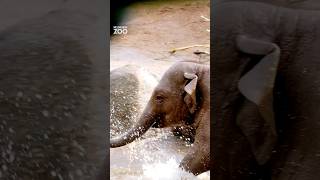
x=52, y=97
x=266, y=92
x=181, y=98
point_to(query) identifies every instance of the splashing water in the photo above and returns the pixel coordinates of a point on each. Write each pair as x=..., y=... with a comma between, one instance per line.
x=157, y=157
x=169, y=171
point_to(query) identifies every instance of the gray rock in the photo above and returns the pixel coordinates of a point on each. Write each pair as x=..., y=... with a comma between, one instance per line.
x=130, y=89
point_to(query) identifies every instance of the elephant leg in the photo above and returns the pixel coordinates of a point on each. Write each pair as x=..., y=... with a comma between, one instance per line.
x=197, y=160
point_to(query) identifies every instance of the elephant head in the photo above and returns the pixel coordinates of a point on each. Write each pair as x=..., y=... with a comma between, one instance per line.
x=173, y=102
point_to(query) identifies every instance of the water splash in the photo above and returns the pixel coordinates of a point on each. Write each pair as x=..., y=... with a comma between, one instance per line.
x=155, y=157
x=165, y=171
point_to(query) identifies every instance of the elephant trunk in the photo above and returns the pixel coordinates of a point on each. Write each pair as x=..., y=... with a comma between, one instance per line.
x=146, y=120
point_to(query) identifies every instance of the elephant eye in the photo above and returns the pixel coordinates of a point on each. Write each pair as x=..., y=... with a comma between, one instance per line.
x=159, y=99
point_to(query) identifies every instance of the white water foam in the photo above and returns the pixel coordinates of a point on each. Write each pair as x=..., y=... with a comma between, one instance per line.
x=156, y=157
x=169, y=171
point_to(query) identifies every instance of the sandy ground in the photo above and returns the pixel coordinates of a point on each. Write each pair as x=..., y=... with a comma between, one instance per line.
x=154, y=29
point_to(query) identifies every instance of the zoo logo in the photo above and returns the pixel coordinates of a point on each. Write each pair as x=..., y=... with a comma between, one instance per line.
x=120, y=29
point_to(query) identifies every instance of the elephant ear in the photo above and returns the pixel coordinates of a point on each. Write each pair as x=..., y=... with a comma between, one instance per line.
x=257, y=87
x=190, y=99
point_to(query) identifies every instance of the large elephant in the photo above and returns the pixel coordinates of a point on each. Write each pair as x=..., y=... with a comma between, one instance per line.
x=266, y=118
x=180, y=98
x=52, y=95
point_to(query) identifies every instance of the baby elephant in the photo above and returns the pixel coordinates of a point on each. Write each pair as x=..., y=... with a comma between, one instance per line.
x=182, y=97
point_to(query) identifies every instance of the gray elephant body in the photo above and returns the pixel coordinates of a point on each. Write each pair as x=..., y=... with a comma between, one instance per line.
x=52, y=98
x=180, y=98
x=266, y=89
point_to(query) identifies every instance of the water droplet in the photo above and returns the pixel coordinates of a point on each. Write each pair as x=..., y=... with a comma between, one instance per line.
x=38, y=96
x=53, y=173
x=11, y=130
x=83, y=96
x=20, y=94
x=60, y=177
x=11, y=157
x=45, y=113
x=28, y=136
x=79, y=172
x=4, y=167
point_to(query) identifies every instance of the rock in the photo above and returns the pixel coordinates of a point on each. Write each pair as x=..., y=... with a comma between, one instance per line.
x=130, y=89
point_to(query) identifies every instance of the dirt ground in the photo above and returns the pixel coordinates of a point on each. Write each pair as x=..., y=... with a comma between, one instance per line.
x=155, y=28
